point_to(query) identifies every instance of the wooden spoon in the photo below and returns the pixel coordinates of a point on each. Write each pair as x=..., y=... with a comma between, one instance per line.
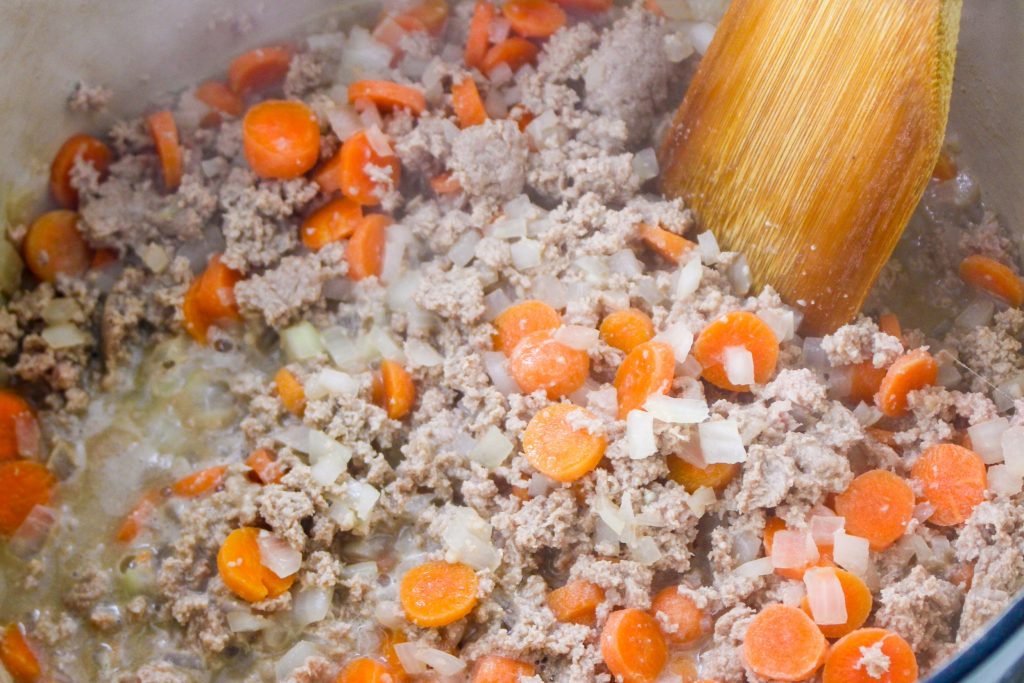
x=809, y=134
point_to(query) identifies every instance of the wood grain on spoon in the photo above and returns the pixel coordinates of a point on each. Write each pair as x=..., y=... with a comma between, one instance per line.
x=809, y=134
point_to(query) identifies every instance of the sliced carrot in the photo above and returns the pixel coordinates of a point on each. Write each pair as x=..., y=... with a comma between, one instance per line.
x=211, y=299
x=576, y=602
x=877, y=505
x=466, y=102
x=865, y=380
x=680, y=611
x=716, y=476
x=399, y=391
x=17, y=656
x=909, y=372
x=135, y=521
x=521, y=319
x=388, y=95
x=391, y=638
x=632, y=646
x=259, y=69
x=16, y=417
x=945, y=168
x=993, y=277
x=653, y=7
x=648, y=369
x=431, y=15
x=24, y=484
x=883, y=436
x=351, y=173
x=784, y=644
x=334, y=221
x=497, y=669
x=586, y=5
x=516, y=52
x=858, y=605
x=962, y=575
x=264, y=466
x=534, y=18
x=280, y=139
x=539, y=362
x=741, y=329
x=438, y=593
x=164, y=132
x=290, y=391
x=53, y=246
x=556, y=446
x=221, y=100
x=445, y=183
x=890, y=324
x=365, y=670
x=845, y=662
x=668, y=245
x=478, y=37
x=953, y=480
x=773, y=525
x=627, y=328
x=365, y=253
x=102, y=258
x=198, y=483
x=240, y=567
x=85, y=147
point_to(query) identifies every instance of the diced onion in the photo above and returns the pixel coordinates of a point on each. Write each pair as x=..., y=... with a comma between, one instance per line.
x=687, y=279
x=344, y=350
x=497, y=369
x=824, y=528
x=277, y=555
x=720, y=442
x=401, y=291
x=680, y=338
x=866, y=415
x=462, y=252
x=640, y=435
x=550, y=290
x=330, y=382
x=467, y=538
x=526, y=254
x=987, y=439
x=154, y=256
x=499, y=29
x=678, y=47
x=495, y=302
x=609, y=513
x=61, y=310
x=65, y=336
x=385, y=345
x=851, y=553
x=501, y=74
x=746, y=546
x=495, y=105
x=923, y=511
x=420, y=354
x=701, y=499
x=328, y=468
x=406, y=653
x=295, y=438
x=676, y=410
x=759, y=567
x=739, y=365
x=30, y=536
x=323, y=446
x=369, y=114
x=626, y=263
x=1004, y=482
x=244, y=621
x=1013, y=449
x=949, y=376
x=577, y=337
x=789, y=549
x=701, y=34
x=440, y=661
x=739, y=276
x=815, y=356
x=690, y=367
x=363, y=498
x=345, y=121
x=301, y=341
x=294, y=658
x=976, y=314
x=508, y=228
x=646, y=551
x=539, y=485
x=310, y=606
x=825, y=595
x=645, y=164
x=781, y=321
x=26, y=435
x=491, y=449
x=708, y=247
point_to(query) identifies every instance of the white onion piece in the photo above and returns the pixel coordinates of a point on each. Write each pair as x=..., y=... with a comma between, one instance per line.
x=406, y=653
x=825, y=595
x=824, y=528
x=866, y=415
x=344, y=121
x=467, y=538
x=626, y=263
x=330, y=382
x=851, y=553
x=277, y=555
x=420, y=354
x=301, y=341
x=494, y=303
x=491, y=449
x=526, y=254
x=310, y=606
x=369, y=114
x=496, y=365
x=781, y=321
x=680, y=338
x=739, y=365
x=26, y=435
x=464, y=250
x=746, y=546
x=923, y=511
x=363, y=498
x=385, y=345
x=577, y=337
x=323, y=446
x=987, y=439
x=759, y=567
x=539, y=485
x=610, y=514
x=396, y=243
x=343, y=350
x=295, y=438
x=949, y=376
x=976, y=314
x=327, y=469
x=700, y=500
x=501, y=74
x=550, y=290
x=789, y=549
x=499, y=29
x=244, y=621
x=708, y=247
x=1004, y=482
x=701, y=35
x=61, y=310
x=495, y=104
x=645, y=164
x=440, y=661
x=64, y=336
x=294, y=658
x=739, y=276
x=31, y=534
x=676, y=410
x=690, y=367
x=646, y=551
x=720, y=442
x=640, y=435
x=687, y=279
x=814, y=355
x=508, y=228
x=1013, y=449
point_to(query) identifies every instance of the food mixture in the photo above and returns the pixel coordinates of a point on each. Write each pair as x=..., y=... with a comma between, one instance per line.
x=380, y=358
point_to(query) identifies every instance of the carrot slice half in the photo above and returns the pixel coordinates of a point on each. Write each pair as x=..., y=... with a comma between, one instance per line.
x=85, y=147
x=352, y=176
x=200, y=482
x=466, y=102
x=365, y=253
x=333, y=222
x=909, y=372
x=497, y=669
x=993, y=277
x=689, y=621
x=241, y=569
x=648, y=369
x=534, y=18
x=478, y=37
x=164, y=132
x=17, y=656
x=388, y=95
x=54, y=246
x=515, y=52
x=576, y=602
x=858, y=605
x=715, y=476
x=290, y=391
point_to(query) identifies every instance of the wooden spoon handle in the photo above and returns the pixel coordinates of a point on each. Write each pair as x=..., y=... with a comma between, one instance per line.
x=809, y=134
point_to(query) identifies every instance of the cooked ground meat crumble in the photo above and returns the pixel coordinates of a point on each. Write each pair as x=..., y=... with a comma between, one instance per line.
x=545, y=201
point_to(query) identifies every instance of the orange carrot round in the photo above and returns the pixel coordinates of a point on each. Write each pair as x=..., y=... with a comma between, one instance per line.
x=877, y=505
x=17, y=656
x=259, y=69
x=909, y=372
x=738, y=328
x=478, y=37
x=534, y=18
x=858, y=605
x=627, y=328
x=264, y=466
x=365, y=670
x=438, y=593
x=221, y=100
x=993, y=277
x=210, y=299
x=890, y=324
x=164, y=132
x=845, y=661
x=135, y=521
x=365, y=253
x=353, y=179
x=399, y=392
x=14, y=411
x=516, y=52
x=24, y=484
x=199, y=482
x=101, y=258
x=783, y=644
x=388, y=95
x=334, y=221
x=281, y=139
x=558, y=449
x=290, y=391
x=716, y=476
x=445, y=183
x=576, y=602
x=466, y=102
x=865, y=380
x=668, y=245
x=85, y=147
x=240, y=567
x=680, y=612
x=586, y=5
x=632, y=646
x=53, y=246
x=539, y=362
x=429, y=16
x=391, y=638
x=497, y=669
x=648, y=369
x=953, y=480
x=521, y=319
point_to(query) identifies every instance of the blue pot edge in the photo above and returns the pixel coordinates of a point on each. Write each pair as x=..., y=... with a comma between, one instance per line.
x=978, y=652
